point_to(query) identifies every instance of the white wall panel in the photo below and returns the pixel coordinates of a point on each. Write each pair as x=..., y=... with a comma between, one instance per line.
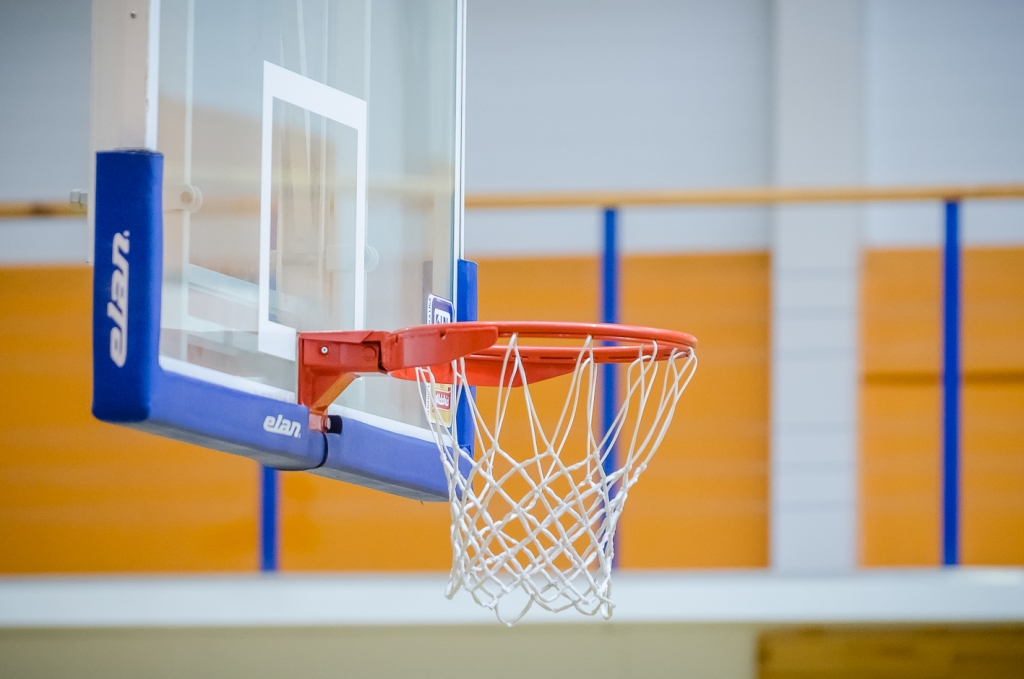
x=44, y=99
x=944, y=98
x=579, y=94
x=815, y=265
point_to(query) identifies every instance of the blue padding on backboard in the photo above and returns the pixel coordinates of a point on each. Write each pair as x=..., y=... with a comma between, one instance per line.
x=127, y=256
x=231, y=421
x=466, y=310
x=383, y=460
x=466, y=304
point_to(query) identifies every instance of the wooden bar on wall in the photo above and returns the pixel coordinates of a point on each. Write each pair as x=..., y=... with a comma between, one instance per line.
x=760, y=195
x=756, y=195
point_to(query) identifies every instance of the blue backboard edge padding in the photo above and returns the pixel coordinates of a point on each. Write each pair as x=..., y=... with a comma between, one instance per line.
x=233, y=422
x=128, y=209
x=140, y=395
x=466, y=310
x=385, y=460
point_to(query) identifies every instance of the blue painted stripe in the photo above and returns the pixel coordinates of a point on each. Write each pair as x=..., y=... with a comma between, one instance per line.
x=269, y=527
x=951, y=389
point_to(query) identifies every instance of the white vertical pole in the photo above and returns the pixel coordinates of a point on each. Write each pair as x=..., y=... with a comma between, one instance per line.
x=815, y=271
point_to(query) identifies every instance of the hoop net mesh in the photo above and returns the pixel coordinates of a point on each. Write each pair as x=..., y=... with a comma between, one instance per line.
x=534, y=518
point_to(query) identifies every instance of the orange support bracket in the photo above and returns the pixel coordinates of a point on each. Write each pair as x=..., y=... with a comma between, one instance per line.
x=330, y=361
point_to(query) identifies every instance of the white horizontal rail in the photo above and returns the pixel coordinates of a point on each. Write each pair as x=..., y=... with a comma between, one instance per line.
x=905, y=596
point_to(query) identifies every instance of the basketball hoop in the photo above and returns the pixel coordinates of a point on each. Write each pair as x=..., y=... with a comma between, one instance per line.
x=534, y=518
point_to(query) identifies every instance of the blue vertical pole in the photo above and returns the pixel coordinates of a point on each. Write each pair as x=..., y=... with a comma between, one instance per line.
x=610, y=314
x=268, y=519
x=951, y=389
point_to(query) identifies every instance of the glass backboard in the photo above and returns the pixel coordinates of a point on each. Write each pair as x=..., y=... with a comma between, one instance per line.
x=312, y=181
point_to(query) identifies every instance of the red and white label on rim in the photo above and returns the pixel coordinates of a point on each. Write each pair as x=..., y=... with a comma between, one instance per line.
x=443, y=404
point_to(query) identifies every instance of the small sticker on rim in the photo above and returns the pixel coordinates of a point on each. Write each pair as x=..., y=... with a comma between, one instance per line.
x=442, y=404
x=440, y=310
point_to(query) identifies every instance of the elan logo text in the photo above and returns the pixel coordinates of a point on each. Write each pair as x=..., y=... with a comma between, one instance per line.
x=281, y=425
x=117, y=307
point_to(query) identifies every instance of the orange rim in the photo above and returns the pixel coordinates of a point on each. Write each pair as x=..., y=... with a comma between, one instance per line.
x=540, y=361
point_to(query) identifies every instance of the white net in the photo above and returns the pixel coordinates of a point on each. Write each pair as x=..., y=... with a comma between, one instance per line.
x=534, y=518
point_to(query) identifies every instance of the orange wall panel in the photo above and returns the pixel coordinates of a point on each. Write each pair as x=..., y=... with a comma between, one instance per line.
x=539, y=289
x=992, y=513
x=900, y=422
x=992, y=473
x=901, y=407
x=78, y=495
x=328, y=525
x=703, y=501
x=993, y=309
x=901, y=312
x=900, y=479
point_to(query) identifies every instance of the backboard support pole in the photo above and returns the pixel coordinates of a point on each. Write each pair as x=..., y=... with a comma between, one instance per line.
x=269, y=521
x=951, y=387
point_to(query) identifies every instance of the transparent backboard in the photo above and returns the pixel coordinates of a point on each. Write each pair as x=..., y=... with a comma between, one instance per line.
x=312, y=181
